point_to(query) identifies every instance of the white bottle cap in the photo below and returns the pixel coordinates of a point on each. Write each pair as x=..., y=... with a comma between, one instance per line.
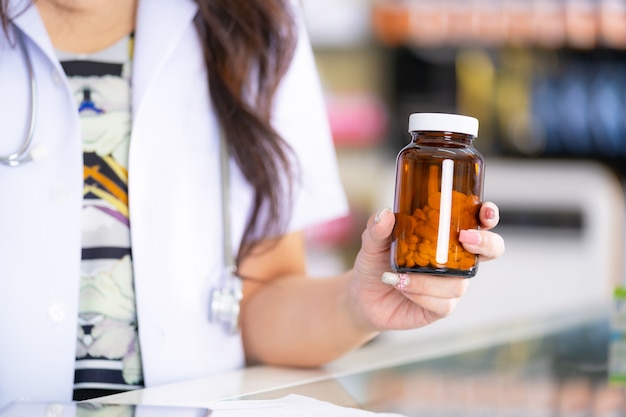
x=443, y=122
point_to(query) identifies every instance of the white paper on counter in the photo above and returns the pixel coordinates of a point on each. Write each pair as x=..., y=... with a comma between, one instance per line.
x=290, y=406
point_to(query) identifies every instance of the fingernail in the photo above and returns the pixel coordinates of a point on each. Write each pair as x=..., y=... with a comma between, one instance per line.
x=380, y=213
x=490, y=213
x=400, y=281
x=390, y=278
x=471, y=237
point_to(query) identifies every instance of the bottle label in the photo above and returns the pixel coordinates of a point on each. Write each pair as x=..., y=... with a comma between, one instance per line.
x=445, y=211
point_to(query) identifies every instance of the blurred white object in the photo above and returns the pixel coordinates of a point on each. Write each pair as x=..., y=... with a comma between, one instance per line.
x=332, y=23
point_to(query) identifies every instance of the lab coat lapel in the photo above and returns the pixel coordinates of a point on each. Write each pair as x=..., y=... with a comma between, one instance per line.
x=29, y=22
x=153, y=45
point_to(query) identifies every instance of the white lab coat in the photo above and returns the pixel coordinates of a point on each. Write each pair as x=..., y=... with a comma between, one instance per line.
x=174, y=195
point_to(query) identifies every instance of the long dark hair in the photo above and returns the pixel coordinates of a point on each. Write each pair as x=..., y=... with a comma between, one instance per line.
x=247, y=46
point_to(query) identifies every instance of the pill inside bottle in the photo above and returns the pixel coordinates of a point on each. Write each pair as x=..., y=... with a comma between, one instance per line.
x=439, y=186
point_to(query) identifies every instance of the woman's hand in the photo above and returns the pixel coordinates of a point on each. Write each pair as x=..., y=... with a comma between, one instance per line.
x=384, y=300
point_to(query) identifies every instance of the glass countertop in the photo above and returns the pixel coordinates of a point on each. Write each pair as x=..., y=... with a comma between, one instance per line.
x=558, y=374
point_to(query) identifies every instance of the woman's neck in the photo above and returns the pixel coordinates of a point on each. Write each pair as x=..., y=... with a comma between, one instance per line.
x=87, y=26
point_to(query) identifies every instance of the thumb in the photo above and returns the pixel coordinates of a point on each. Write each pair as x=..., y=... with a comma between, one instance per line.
x=376, y=237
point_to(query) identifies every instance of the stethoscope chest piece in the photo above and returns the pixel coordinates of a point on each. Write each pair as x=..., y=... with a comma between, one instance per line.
x=225, y=304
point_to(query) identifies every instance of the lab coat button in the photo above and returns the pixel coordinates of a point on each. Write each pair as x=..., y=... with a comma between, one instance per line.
x=56, y=312
x=54, y=410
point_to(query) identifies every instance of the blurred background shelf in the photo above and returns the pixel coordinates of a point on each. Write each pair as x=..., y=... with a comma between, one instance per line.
x=544, y=23
x=545, y=78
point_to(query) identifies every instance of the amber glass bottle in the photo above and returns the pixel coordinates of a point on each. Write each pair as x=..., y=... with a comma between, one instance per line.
x=439, y=185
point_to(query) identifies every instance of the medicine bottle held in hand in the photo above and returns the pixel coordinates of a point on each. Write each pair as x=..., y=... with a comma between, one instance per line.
x=439, y=185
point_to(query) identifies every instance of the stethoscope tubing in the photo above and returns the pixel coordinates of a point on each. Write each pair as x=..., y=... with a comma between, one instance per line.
x=22, y=155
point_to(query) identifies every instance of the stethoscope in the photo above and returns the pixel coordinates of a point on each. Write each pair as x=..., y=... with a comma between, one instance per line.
x=225, y=299
x=23, y=154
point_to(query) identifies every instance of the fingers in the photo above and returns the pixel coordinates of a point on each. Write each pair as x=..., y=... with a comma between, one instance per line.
x=489, y=215
x=427, y=285
x=435, y=308
x=487, y=245
x=436, y=295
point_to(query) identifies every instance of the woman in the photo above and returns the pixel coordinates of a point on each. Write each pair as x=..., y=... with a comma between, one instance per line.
x=137, y=167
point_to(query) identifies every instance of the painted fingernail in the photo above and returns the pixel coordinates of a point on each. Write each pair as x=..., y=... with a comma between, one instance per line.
x=380, y=213
x=404, y=281
x=390, y=278
x=471, y=237
x=400, y=281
